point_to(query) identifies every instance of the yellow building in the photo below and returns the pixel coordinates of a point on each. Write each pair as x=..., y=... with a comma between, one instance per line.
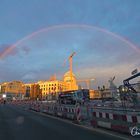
x=94, y=94
x=3, y=87
x=100, y=94
x=70, y=81
x=53, y=87
x=41, y=88
x=33, y=90
x=13, y=88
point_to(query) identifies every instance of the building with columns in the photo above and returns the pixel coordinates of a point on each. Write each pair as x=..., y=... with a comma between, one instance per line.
x=51, y=87
x=56, y=86
x=70, y=81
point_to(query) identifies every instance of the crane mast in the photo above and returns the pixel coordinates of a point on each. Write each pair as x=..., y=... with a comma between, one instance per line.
x=70, y=67
x=70, y=60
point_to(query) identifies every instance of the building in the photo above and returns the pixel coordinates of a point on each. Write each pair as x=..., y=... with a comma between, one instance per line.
x=55, y=86
x=33, y=91
x=51, y=87
x=13, y=89
x=94, y=94
x=106, y=93
x=41, y=88
x=3, y=87
x=70, y=81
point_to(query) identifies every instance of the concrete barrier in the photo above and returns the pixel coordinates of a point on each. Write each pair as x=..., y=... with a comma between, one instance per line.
x=98, y=117
x=115, y=121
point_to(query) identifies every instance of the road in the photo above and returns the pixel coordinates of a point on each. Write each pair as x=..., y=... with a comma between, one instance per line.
x=19, y=124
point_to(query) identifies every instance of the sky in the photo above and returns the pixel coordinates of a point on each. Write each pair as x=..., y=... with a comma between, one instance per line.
x=37, y=36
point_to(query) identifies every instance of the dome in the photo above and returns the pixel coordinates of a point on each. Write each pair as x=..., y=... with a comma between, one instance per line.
x=67, y=74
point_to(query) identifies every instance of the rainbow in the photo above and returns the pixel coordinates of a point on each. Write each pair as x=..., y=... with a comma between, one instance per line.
x=55, y=27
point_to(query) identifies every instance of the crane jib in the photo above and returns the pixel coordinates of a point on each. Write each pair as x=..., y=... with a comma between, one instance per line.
x=126, y=81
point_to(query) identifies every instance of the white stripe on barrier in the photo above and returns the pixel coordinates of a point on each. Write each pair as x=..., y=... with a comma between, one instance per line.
x=104, y=115
x=104, y=124
x=138, y=118
x=97, y=114
x=59, y=114
x=111, y=116
x=129, y=118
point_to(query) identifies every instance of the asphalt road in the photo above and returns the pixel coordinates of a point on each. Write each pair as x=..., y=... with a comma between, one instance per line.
x=19, y=124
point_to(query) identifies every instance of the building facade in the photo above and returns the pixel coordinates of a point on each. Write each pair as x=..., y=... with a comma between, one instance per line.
x=51, y=87
x=70, y=81
x=94, y=94
x=13, y=89
x=41, y=88
x=55, y=86
x=33, y=91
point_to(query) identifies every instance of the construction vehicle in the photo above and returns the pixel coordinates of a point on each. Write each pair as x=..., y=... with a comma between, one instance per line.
x=128, y=91
x=128, y=85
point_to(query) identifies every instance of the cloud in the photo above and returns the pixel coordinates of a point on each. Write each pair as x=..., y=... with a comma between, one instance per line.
x=30, y=76
x=98, y=55
x=7, y=50
x=26, y=49
x=103, y=74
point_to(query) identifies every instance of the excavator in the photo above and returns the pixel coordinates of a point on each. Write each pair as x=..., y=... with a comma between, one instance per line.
x=128, y=85
x=128, y=91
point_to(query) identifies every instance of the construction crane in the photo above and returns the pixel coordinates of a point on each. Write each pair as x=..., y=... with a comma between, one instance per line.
x=87, y=81
x=70, y=61
x=53, y=77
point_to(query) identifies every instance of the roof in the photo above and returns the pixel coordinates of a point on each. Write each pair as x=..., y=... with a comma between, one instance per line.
x=67, y=74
